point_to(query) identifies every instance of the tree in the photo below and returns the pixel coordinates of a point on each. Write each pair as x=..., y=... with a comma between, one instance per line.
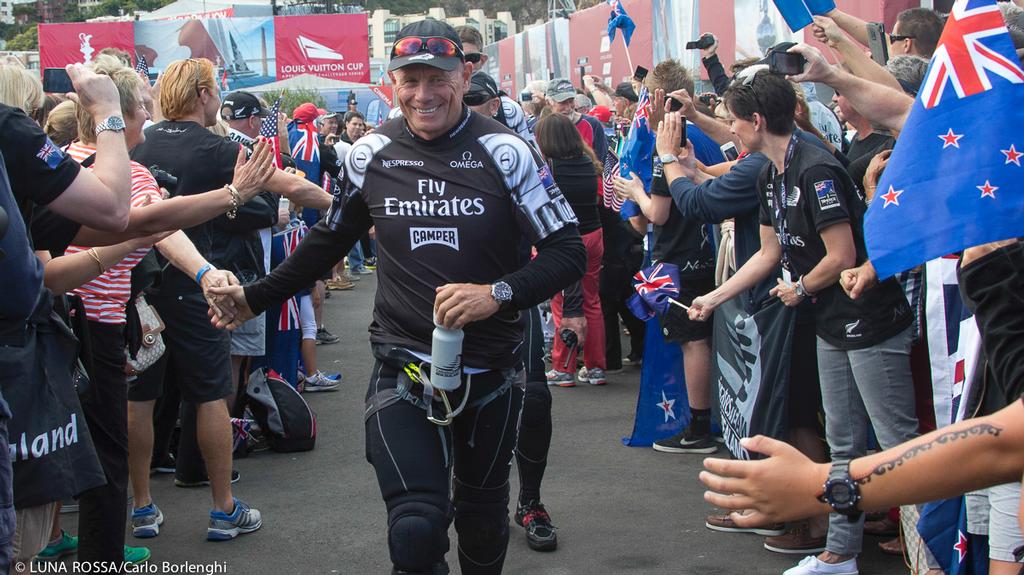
x=291, y=99
x=26, y=41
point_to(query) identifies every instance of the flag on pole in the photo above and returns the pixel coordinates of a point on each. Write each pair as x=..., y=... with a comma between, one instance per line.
x=955, y=178
x=636, y=159
x=656, y=285
x=798, y=14
x=269, y=132
x=619, y=20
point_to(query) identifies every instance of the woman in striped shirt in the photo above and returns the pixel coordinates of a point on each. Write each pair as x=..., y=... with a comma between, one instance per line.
x=101, y=277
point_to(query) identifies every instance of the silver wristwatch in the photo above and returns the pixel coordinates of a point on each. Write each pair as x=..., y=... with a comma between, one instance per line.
x=112, y=123
x=502, y=293
x=668, y=158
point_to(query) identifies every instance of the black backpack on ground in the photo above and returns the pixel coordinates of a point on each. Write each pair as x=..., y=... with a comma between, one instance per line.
x=284, y=416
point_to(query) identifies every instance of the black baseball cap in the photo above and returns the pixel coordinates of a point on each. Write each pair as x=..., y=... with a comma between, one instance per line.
x=428, y=28
x=243, y=105
x=625, y=90
x=482, y=86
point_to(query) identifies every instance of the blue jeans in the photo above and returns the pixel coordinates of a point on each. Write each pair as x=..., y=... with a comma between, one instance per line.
x=859, y=388
x=355, y=258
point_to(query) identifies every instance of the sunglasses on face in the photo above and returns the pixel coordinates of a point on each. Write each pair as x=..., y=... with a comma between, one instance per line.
x=476, y=99
x=412, y=45
x=898, y=37
x=474, y=57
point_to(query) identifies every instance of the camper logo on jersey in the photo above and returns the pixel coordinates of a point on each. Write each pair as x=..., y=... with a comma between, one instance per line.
x=419, y=237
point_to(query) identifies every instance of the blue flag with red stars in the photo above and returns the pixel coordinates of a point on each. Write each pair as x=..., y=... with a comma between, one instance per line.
x=943, y=528
x=955, y=178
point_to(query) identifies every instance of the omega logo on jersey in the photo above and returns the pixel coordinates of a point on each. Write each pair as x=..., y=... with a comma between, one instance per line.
x=467, y=162
x=419, y=237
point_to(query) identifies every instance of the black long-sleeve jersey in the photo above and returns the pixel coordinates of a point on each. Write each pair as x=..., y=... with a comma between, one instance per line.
x=447, y=210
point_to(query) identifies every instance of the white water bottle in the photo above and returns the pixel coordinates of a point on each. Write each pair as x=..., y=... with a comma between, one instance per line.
x=446, y=356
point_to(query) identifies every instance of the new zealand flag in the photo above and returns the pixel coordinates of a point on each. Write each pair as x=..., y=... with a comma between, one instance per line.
x=954, y=179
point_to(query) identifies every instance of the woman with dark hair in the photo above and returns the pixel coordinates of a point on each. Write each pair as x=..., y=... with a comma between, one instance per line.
x=811, y=221
x=577, y=170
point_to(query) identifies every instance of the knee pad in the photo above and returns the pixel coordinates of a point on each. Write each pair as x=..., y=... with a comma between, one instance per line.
x=536, y=405
x=418, y=538
x=481, y=520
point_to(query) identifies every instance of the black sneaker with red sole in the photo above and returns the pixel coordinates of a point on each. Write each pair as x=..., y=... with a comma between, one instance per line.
x=541, y=535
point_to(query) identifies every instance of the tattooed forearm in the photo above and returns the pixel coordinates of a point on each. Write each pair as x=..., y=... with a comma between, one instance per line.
x=980, y=429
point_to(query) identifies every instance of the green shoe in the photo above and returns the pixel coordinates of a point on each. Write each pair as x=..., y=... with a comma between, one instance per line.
x=136, y=555
x=66, y=545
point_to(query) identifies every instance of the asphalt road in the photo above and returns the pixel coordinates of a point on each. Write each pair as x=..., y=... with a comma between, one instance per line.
x=618, y=509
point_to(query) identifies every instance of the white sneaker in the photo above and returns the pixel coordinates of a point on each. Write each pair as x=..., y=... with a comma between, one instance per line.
x=811, y=565
x=321, y=382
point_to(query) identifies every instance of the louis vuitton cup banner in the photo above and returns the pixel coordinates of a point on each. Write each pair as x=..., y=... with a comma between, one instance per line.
x=246, y=51
x=751, y=369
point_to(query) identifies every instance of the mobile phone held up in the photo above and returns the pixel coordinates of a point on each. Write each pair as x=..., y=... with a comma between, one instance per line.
x=706, y=40
x=640, y=74
x=57, y=81
x=877, y=44
x=785, y=63
x=729, y=151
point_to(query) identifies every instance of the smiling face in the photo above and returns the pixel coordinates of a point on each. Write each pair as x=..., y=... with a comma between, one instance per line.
x=430, y=98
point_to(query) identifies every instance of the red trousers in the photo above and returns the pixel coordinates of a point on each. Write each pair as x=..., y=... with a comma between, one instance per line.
x=593, y=344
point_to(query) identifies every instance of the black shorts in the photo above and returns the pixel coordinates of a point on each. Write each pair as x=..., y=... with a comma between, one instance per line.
x=804, y=388
x=676, y=325
x=199, y=353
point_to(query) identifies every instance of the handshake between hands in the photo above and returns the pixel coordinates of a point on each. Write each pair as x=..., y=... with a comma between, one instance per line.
x=224, y=294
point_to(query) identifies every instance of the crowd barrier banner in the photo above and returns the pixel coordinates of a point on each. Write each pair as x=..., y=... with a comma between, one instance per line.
x=750, y=366
x=507, y=67
x=330, y=46
x=79, y=42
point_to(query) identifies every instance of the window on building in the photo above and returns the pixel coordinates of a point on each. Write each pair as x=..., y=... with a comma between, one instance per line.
x=391, y=28
x=500, y=31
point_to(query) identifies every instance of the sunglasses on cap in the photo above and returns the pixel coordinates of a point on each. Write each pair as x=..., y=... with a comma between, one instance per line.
x=412, y=45
x=477, y=98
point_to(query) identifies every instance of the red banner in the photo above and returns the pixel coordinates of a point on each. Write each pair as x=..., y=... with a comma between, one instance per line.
x=63, y=44
x=222, y=13
x=330, y=46
x=507, y=66
x=609, y=60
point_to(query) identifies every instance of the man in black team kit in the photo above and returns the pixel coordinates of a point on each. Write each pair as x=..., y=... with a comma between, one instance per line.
x=449, y=192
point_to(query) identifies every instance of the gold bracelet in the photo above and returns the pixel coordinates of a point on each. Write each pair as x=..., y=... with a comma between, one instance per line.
x=236, y=201
x=96, y=258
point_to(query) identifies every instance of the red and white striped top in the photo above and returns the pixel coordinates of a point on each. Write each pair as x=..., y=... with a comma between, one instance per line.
x=106, y=296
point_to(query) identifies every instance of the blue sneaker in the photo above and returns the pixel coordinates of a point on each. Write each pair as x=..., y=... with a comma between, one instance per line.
x=224, y=527
x=146, y=521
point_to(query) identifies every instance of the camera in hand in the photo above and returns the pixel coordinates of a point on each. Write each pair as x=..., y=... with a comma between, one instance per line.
x=706, y=40
x=569, y=338
x=164, y=179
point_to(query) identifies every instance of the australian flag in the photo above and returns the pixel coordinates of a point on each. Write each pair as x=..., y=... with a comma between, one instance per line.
x=798, y=13
x=636, y=156
x=955, y=178
x=268, y=132
x=618, y=19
